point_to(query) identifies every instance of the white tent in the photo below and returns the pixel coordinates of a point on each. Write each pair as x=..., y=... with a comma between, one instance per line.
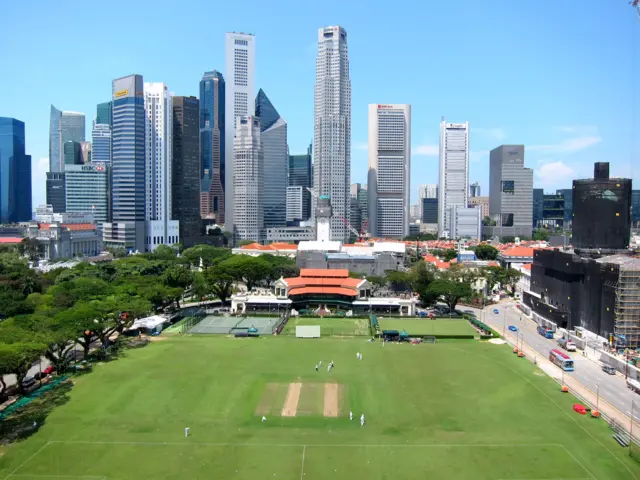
x=154, y=322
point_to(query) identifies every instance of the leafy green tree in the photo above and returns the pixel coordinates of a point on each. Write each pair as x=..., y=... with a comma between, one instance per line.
x=377, y=282
x=450, y=254
x=30, y=247
x=398, y=281
x=210, y=255
x=541, y=234
x=422, y=275
x=510, y=277
x=486, y=252
x=249, y=270
x=450, y=291
x=280, y=267
x=220, y=282
x=488, y=222
x=164, y=252
x=178, y=278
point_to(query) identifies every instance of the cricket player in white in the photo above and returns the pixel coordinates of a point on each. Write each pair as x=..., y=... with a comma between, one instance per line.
x=350, y=415
x=264, y=419
x=186, y=432
x=362, y=420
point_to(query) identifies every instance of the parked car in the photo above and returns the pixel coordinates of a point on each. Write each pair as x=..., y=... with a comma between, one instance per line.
x=513, y=328
x=496, y=311
x=28, y=382
x=608, y=369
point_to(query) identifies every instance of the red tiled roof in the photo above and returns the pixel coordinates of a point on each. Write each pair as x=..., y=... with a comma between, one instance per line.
x=323, y=290
x=269, y=248
x=527, y=266
x=69, y=226
x=518, y=252
x=324, y=272
x=493, y=264
x=10, y=239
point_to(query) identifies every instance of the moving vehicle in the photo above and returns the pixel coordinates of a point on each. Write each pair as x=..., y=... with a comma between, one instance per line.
x=567, y=344
x=545, y=332
x=513, y=328
x=496, y=311
x=608, y=369
x=633, y=385
x=561, y=359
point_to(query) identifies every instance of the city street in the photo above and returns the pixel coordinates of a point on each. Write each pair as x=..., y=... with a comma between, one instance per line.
x=588, y=371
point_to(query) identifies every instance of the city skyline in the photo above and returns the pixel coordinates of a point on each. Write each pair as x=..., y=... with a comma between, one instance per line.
x=560, y=116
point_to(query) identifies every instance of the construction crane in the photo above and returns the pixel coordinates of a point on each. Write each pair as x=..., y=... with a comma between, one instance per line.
x=359, y=235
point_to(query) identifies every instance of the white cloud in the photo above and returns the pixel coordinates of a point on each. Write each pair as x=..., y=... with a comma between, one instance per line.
x=496, y=133
x=554, y=173
x=567, y=146
x=39, y=169
x=426, y=150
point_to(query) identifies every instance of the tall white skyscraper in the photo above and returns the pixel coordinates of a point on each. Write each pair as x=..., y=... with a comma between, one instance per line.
x=239, y=102
x=160, y=229
x=389, y=170
x=248, y=180
x=332, y=127
x=428, y=190
x=454, y=172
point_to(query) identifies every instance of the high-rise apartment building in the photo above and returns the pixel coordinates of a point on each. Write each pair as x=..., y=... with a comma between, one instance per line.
x=101, y=143
x=87, y=190
x=15, y=173
x=239, y=94
x=389, y=170
x=273, y=134
x=510, y=193
x=332, y=127
x=63, y=127
x=127, y=228
x=248, y=180
x=454, y=172
x=300, y=175
x=185, y=203
x=104, y=112
x=160, y=227
x=212, y=146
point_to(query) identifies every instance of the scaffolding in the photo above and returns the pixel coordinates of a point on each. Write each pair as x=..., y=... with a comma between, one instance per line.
x=627, y=302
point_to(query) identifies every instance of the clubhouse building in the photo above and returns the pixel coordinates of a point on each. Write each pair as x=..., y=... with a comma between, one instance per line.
x=324, y=292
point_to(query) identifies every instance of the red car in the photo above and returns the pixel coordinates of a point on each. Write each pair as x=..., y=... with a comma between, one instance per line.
x=49, y=370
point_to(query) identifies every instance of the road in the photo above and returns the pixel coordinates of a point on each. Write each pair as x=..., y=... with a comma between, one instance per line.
x=588, y=371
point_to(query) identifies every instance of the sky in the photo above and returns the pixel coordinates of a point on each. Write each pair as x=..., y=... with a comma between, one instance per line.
x=559, y=77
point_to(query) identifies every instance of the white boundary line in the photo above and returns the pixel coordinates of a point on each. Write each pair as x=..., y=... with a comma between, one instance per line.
x=578, y=462
x=320, y=445
x=304, y=451
x=556, y=404
x=44, y=475
x=27, y=460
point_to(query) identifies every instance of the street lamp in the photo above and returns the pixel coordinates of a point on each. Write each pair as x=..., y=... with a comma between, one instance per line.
x=597, y=395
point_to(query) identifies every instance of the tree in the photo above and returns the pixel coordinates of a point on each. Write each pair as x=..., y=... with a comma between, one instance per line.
x=242, y=243
x=398, y=281
x=488, y=222
x=541, y=234
x=450, y=291
x=280, y=267
x=30, y=247
x=164, y=252
x=209, y=255
x=220, y=282
x=486, y=252
x=179, y=278
x=246, y=269
x=492, y=276
x=377, y=282
x=422, y=275
x=510, y=276
x=450, y=254
x=82, y=316
x=508, y=239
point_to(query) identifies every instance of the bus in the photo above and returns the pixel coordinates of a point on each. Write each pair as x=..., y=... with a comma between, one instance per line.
x=561, y=359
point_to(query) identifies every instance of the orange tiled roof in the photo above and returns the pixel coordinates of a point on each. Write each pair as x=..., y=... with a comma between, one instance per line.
x=518, y=252
x=269, y=248
x=325, y=290
x=324, y=272
x=69, y=226
x=493, y=264
x=527, y=266
x=10, y=240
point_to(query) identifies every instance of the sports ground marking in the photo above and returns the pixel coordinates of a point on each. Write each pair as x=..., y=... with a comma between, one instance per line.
x=291, y=402
x=61, y=477
x=304, y=451
x=330, y=399
x=557, y=405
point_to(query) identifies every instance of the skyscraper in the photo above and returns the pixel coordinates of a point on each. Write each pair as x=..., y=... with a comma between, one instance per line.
x=55, y=191
x=248, y=180
x=72, y=153
x=273, y=134
x=300, y=176
x=63, y=127
x=85, y=152
x=389, y=170
x=158, y=105
x=454, y=172
x=538, y=206
x=15, y=173
x=186, y=168
x=212, y=145
x=128, y=166
x=474, y=190
x=101, y=146
x=332, y=127
x=510, y=193
x=239, y=92
x=87, y=190
x=567, y=193
x=104, y=113
x=428, y=190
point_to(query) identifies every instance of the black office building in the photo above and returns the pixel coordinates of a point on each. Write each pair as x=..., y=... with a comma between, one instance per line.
x=56, y=192
x=635, y=208
x=430, y=210
x=185, y=182
x=538, y=201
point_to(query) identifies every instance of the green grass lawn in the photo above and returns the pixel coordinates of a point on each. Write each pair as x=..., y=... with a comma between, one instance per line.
x=427, y=326
x=454, y=410
x=330, y=326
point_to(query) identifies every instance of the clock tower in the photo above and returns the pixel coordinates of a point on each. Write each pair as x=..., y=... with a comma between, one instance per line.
x=323, y=219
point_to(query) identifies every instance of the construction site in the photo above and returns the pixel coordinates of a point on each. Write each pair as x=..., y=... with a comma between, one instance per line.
x=626, y=313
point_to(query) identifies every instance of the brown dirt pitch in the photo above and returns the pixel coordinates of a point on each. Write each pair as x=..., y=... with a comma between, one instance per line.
x=291, y=402
x=331, y=403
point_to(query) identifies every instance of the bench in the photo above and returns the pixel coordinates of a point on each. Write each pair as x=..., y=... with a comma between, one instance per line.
x=622, y=438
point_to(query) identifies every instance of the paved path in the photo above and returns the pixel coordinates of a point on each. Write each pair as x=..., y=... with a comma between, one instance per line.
x=588, y=380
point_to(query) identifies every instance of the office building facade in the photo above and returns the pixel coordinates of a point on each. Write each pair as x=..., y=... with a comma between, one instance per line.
x=474, y=190
x=295, y=208
x=273, y=135
x=101, y=143
x=389, y=170
x=87, y=190
x=185, y=178
x=127, y=228
x=55, y=192
x=567, y=193
x=85, y=152
x=510, y=193
x=248, y=181
x=359, y=218
x=466, y=222
x=72, y=153
x=482, y=203
x=332, y=127
x=239, y=94
x=104, y=112
x=635, y=208
x=300, y=175
x=538, y=204
x=161, y=229
x=63, y=127
x=15, y=173
x=429, y=211
x=454, y=172
x=212, y=146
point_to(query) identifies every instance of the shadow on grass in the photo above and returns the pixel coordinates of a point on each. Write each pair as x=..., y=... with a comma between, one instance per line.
x=28, y=419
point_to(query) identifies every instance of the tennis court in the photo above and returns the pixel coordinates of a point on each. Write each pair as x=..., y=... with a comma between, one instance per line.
x=226, y=325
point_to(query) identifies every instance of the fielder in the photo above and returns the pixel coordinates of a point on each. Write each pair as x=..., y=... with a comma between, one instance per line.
x=362, y=420
x=350, y=415
x=186, y=432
